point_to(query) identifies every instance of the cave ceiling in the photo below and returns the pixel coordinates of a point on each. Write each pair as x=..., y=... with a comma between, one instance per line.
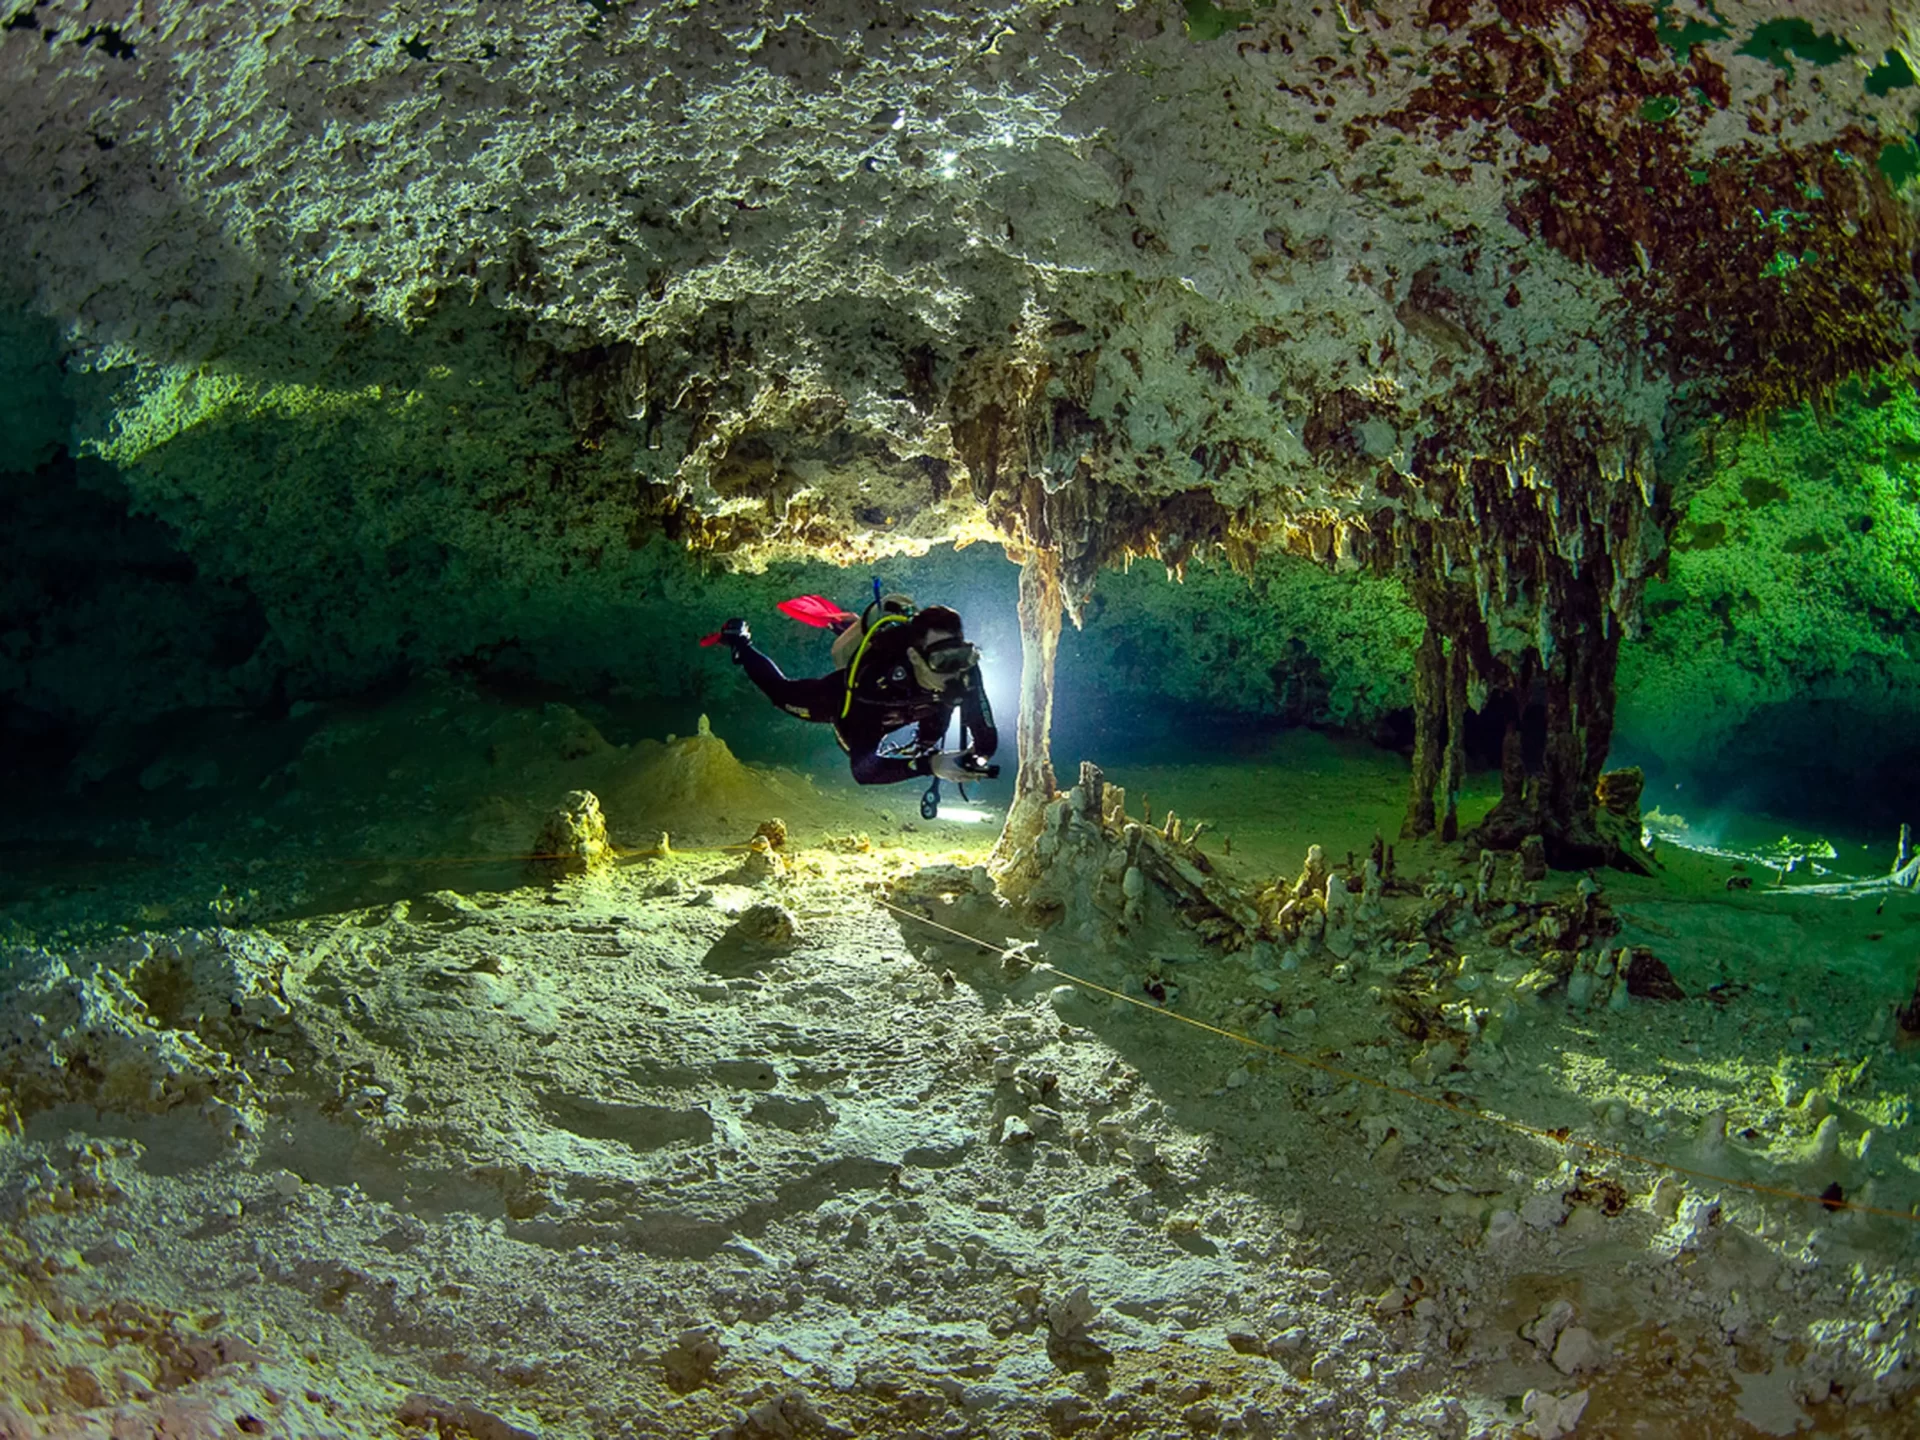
x=851, y=278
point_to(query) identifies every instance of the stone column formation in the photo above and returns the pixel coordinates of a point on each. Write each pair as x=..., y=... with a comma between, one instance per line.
x=1040, y=616
x=1527, y=594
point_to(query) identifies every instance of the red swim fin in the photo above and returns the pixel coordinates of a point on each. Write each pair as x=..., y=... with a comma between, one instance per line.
x=815, y=610
x=713, y=639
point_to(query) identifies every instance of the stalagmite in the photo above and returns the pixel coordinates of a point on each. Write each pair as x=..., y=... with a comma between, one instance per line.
x=1339, y=902
x=1372, y=887
x=1313, y=875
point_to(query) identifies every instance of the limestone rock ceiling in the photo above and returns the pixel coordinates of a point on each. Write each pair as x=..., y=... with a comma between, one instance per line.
x=834, y=278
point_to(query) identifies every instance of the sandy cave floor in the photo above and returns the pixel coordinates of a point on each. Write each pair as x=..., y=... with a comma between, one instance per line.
x=351, y=1127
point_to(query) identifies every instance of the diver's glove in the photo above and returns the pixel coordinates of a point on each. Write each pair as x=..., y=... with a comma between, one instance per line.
x=960, y=766
x=736, y=637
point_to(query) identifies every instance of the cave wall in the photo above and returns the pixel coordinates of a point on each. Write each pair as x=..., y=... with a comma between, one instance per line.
x=439, y=332
x=1781, y=661
x=1289, y=643
x=106, y=619
x=178, y=539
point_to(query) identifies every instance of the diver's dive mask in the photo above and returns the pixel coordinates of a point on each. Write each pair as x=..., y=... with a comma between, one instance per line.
x=944, y=662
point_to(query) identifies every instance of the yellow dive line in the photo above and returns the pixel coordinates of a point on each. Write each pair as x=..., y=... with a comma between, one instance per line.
x=1560, y=1136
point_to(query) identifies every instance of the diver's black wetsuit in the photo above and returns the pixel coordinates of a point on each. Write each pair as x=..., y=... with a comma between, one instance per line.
x=886, y=696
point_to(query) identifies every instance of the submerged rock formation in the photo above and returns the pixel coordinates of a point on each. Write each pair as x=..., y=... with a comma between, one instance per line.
x=1448, y=292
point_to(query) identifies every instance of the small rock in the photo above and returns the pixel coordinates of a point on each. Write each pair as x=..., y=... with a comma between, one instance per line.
x=1544, y=1329
x=1015, y=1131
x=1550, y=1416
x=1071, y=1313
x=1392, y=1300
x=573, y=841
x=1544, y=1209
x=765, y=923
x=116, y=1246
x=1435, y=1061
x=1072, y=1005
x=691, y=1360
x=1503, y=1228
x=1694, y=1221
x=1713, y=1131
x=1577, y=1350
x=1649, y=979
x=286, y=1184
x=1793, y=1080
x=1288, y=1342
x=233, y=1121
x=1440, y=1415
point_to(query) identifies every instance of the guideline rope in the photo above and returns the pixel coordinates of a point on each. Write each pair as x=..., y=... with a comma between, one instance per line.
x=1560, y=1136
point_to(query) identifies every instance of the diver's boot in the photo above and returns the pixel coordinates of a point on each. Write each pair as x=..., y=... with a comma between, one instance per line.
x=736, y=636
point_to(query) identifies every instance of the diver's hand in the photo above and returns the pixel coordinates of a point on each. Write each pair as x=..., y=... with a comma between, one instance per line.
x=946, y=765
x=960, y=766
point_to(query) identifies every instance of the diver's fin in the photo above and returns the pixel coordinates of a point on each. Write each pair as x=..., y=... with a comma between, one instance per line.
x=711, y=640
x=815, y=610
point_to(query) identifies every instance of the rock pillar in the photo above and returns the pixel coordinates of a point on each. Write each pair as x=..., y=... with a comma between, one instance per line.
x=1527, y=584
x=1042, y=607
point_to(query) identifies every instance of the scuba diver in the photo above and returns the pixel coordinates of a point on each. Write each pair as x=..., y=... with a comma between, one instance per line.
x=897, y=666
